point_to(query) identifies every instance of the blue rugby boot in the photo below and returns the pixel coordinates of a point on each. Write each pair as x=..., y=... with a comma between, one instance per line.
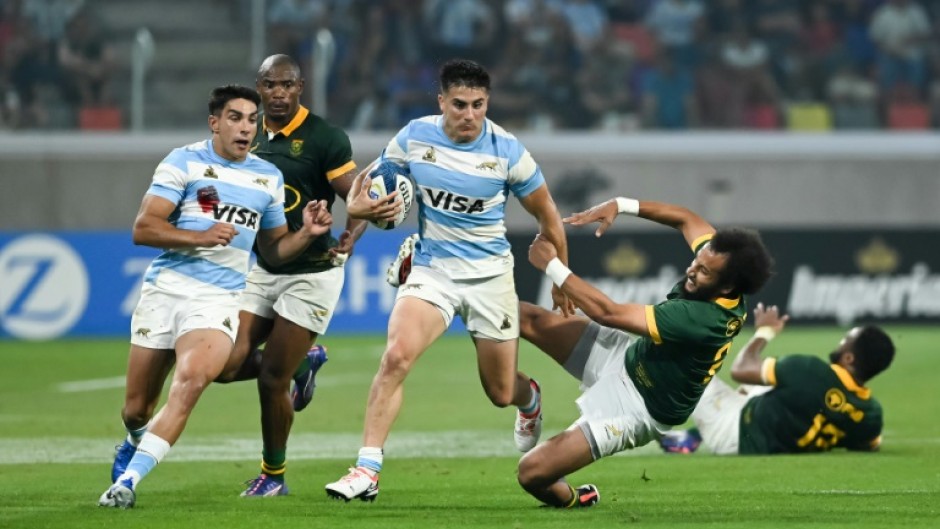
x=264, y=486
x=305, y=383
x=122, y=456
x=680, y=441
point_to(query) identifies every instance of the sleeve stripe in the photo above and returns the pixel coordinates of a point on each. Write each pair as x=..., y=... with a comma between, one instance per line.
x=651, y=325
x=768, y=371
x=340, y=171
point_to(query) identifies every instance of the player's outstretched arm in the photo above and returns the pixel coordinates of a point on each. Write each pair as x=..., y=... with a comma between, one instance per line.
x=746, y=368
x=683, y=219
x=151, y=228
x=630, y=317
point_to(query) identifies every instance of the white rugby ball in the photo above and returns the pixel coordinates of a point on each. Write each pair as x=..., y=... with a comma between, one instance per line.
x=387, y=177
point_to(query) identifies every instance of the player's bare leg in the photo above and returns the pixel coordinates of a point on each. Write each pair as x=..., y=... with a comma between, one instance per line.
x=542, y=471
x=413, y=326
x=551, y=332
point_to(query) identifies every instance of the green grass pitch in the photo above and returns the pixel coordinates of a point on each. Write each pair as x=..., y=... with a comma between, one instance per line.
x=450, y=460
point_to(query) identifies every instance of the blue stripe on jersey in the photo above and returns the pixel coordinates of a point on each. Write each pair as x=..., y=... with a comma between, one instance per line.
x=203, y=152
x=488, y=143
x=173, y=195
x=198, y=269
x=461, y=249
x=528, y=187
x=471, y=186
x=242, y=241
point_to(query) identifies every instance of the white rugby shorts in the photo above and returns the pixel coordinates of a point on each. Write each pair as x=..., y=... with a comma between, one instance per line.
x=309, y=300
x=163, y=314
x=718, y=414
x=613, y=415
x=489, y=307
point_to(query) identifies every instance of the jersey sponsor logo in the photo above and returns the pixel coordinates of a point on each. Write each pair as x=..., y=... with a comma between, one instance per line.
x=45, y=287
x=207, y=198
x=291, y=198
x=446, y=200
x=429, y=156
x=235, y=215
x=296, y=147
x=210, y=173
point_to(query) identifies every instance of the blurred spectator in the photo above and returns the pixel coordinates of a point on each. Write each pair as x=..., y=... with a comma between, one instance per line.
x=460, y=28
x=901, y=28
x=853, y=99
x=603, y=84
x=745, y=77
x=292, y=22
x=669, y=96
x=87, y=61
x=588, y=23
x=677, y=24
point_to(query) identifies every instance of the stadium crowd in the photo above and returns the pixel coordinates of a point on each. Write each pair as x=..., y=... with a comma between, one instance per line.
x=557, y=64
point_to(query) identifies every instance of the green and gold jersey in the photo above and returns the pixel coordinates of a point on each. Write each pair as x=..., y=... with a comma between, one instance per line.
x=813, y=407
x=310, y=152
x=688, y=340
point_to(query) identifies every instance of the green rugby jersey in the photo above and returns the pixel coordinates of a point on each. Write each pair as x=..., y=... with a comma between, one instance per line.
x=687, y=344
x=310, y=152
x=814, y=407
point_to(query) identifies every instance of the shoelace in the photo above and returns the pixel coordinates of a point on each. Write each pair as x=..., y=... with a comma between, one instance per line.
x=355, y=473
x=527, y=425
x=256, y=483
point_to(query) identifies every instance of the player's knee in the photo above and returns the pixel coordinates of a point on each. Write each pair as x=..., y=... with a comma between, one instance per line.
x=273, y=380
x=397, y=360
x=532, y=473
x=500, y=396
x=136, y=414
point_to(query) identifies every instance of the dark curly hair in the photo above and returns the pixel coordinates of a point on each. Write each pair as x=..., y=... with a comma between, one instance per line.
x=873, y=351
x=749, y=264
x=463, y=72
x=223, y=94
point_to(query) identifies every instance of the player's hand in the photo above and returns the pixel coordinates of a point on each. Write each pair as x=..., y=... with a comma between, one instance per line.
x=317, y=218
x=220, y=234
x=541, y=252
x=341, y=252
x=562, y=302
x=361, y=206
x=603, y=213
x=770, y=317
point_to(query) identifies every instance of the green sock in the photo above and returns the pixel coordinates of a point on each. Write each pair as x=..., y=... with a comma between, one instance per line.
x=274, y=463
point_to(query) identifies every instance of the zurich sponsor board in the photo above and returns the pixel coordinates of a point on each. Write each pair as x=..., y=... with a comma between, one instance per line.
x=65, y=284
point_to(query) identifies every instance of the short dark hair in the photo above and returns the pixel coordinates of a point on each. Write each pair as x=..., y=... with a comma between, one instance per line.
x=223, y=94
x=278, y=59
x=873, y=350
x=463, y=72
x=749, y=264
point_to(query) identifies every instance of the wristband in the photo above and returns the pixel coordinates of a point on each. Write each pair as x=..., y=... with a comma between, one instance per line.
x=557, y=271
x=628, y=206
x=765, y=332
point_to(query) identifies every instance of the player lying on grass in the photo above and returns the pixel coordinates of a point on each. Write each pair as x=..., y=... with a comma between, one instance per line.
x=642, y=367
x=800, y=403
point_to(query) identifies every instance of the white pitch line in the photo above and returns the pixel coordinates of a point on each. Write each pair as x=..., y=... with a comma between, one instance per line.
x=484, y=443
x=852, y=492
x=94, y=384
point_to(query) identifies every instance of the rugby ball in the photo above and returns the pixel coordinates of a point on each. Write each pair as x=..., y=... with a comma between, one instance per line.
x=387, y=177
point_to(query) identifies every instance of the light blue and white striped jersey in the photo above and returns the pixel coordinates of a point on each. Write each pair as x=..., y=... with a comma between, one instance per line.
x=461, y=191
x=207, y=189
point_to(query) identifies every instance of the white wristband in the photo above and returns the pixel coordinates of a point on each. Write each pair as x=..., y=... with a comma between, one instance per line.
x=628, y=206
x=767, y=333
x=557, y=271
